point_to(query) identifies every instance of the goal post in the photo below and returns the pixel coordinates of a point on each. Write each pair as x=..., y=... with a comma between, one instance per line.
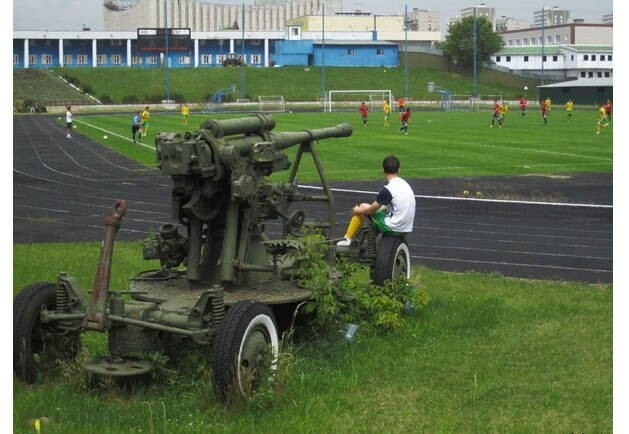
x=348, y=99
x=271, y=103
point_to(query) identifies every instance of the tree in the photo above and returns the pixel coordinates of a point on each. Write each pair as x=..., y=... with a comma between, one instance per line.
x=459, y=44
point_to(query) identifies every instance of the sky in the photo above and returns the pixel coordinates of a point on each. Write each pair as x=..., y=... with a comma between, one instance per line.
x=73, y=14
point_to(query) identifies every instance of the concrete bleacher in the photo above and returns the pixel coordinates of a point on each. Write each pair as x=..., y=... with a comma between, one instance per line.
x=46, y=89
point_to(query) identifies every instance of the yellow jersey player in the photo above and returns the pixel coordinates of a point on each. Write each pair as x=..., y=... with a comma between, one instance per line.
x=504, y=108
x=386, y=108
x=185, y=112
x=146, y=115
x=569, y=109
x=603, y=121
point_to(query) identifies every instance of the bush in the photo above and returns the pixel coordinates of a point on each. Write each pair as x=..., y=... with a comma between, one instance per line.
x=87, y=89
x=130, y=99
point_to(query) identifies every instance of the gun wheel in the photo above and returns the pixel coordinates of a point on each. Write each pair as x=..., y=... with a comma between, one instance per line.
x=393, y=260
x=38, y=347
x=245, y=350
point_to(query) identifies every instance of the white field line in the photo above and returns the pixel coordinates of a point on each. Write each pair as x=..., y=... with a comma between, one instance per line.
x=539, y=151
x=423, y=196
x=113, y=134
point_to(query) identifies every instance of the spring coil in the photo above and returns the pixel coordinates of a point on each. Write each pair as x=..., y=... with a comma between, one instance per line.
x=62, y=300
x=372, y=249
x=218, y=308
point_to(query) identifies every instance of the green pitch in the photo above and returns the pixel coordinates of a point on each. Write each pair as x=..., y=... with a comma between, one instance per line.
x=438, y=143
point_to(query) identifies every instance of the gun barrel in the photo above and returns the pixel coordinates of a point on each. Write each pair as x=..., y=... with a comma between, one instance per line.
x=256, y=124
x=283, y=140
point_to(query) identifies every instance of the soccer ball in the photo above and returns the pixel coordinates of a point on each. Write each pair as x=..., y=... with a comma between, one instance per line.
x=526, y=88
x=104, y=137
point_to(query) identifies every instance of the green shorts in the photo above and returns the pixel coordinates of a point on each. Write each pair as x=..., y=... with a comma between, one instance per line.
x=377, y=220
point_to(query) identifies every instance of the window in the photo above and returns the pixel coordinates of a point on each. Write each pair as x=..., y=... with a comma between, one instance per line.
x=81, y=59
x=586, y=57
x=549, y=39
x=351, y=52
x=572, y=57
x=533, y=41
x=543, y=58
x=510, y=42
x=606, y=74
x=507, y=58
x=526, y=58
x=379, y=51
x=16, y=59
x=295, y=31
x=590, y=74
x=525, y=41
x=555, y=58
x=152, y=60
x=115, y=59
x=66, y=42
x=582, y=74
x=136, y=60
x=115, y=42
x=184, y=60
x=557, y=39
x=32, y=59
x=256, y=59
x=220, y=58
x=599, y=74
x=46, y=59
x=601, y=57
x=67, y=59
x=497, y=58
x=609, y=57
x=101, y=59
x=518, y=42
x=206, y=59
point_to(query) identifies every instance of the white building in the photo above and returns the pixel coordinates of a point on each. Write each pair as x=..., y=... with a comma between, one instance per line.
x=422, y=20
x=504, y=24
x=206, y=16
x=550, y=16
x=480, y=11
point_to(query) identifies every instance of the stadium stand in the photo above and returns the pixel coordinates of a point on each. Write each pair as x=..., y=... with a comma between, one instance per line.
x=45, y=88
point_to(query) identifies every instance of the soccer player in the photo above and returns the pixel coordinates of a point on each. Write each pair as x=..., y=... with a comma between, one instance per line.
x=504, y=108
x=185, y=112
x=495, y=116
x=68, y=122
x=386, y=108
x=608, y=110
x=543, y=105
x=400, y=104
x=146, y=115
x=603, y=121
x=569, y=109
x=523, y=103
x=548, y=103
x=404, y=118
x=393, y=211
x=136, y=123
x=364, y=111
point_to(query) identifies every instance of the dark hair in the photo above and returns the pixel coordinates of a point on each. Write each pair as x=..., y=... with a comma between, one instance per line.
x=391, y=165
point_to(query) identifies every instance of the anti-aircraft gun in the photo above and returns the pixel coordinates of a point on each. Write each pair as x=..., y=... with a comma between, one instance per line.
x=222, y=280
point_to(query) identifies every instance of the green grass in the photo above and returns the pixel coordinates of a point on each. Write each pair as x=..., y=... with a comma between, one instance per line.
x=296, y=83
x=439, y=143
x=488, y=354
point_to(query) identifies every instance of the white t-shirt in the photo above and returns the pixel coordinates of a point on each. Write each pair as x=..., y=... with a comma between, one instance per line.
x=68, y=116
x=399, y=199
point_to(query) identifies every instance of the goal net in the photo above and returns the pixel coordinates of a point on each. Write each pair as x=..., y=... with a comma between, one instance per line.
x=347, y=100
x=271, y=103
x=471, y=103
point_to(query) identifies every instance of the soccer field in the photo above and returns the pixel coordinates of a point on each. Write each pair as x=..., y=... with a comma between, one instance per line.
x=438, y=143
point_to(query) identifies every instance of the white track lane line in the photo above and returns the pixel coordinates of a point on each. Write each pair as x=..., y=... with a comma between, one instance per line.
x=113, y=134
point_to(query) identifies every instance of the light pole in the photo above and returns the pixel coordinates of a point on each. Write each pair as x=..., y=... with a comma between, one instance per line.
x=323, y=52
x=474, y=60
x=242, y=66
x=166, y=68
x=405, y=51
x=543, y=40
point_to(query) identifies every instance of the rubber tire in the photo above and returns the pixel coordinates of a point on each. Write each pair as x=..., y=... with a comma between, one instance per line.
x=392, y=254
x=27, y=339
x=241, y=320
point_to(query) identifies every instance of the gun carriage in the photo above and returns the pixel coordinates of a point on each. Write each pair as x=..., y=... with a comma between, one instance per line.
x=222, y=280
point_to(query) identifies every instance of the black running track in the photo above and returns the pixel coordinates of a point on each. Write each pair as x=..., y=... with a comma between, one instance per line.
x=547, y=227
